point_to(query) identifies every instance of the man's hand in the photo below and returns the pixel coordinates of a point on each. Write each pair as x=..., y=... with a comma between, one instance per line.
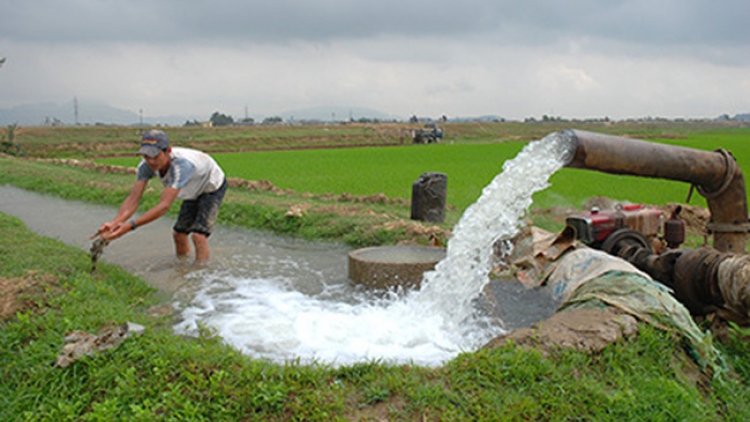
x=112, y=230
x=105, y=228
x=116, y=231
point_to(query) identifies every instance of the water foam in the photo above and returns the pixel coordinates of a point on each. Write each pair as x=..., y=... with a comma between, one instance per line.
x=266, y=317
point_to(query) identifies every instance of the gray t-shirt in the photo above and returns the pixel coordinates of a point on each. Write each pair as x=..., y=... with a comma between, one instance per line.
x=191, y=171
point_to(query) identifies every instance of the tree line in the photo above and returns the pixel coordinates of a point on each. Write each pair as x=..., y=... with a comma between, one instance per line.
x=221, y=119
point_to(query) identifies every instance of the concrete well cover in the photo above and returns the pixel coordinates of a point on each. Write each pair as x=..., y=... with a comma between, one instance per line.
x=390, y=266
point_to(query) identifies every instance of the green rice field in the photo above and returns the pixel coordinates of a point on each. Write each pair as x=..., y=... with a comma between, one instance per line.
x=469, y=167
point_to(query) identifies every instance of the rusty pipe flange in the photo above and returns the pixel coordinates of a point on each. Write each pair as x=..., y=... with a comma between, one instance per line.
x=731, y=170
x=696, y=280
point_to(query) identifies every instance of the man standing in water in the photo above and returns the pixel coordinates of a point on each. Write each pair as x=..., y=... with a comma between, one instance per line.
x=187, y=174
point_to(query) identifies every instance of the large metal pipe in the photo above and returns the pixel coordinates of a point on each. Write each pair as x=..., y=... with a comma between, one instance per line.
x=715, y=174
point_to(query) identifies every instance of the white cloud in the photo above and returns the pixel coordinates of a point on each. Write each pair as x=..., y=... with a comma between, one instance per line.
x=583, y=58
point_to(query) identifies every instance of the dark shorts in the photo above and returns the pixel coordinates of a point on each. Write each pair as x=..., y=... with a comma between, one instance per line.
x=199, y=215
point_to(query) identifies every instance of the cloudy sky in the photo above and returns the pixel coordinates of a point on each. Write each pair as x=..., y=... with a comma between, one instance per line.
x=516, y=59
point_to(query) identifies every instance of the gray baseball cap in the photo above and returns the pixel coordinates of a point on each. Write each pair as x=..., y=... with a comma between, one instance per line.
x=153, y=142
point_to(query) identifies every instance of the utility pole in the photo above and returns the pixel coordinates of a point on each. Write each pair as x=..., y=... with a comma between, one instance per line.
x=75, y=109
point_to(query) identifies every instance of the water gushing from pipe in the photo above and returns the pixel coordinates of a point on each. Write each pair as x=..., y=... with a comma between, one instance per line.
x=459, y=278
x=265, y=318
x=273, y=301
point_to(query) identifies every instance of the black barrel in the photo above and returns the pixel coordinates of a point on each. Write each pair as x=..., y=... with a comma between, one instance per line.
x=428, y=197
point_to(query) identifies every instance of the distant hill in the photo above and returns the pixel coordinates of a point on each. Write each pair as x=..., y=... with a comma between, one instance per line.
x=88, y=114
x=99, y=113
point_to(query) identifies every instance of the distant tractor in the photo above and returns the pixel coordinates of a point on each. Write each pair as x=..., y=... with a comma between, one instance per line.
x=429, y=134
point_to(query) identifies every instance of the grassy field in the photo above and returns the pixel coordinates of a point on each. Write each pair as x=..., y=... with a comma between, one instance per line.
x=368, y=171
x=333, y=218
x=471, y=156
x=98, y=141
x=469, y=167
x=321, y=159
x=159, y=376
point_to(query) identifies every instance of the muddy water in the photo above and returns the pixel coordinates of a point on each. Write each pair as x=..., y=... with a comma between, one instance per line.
x=269, y=297
x=281, y=299
x=149, y=252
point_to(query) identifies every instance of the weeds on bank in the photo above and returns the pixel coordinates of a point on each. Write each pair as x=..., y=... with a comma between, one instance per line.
x=738, y=349
x=9, y=146
x=162, y=377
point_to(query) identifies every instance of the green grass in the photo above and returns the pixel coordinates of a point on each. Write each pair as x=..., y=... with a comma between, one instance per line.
x=357, y=224
x=469, y=167
x=162, y=377
x=368, y=171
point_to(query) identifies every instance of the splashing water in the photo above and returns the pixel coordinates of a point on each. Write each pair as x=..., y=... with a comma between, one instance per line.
x=266, y=317
x=497, y=214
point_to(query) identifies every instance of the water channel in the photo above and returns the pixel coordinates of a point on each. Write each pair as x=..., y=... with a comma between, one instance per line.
x=280, y=298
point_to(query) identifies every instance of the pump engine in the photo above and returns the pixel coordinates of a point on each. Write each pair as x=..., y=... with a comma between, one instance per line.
x=596, y=226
